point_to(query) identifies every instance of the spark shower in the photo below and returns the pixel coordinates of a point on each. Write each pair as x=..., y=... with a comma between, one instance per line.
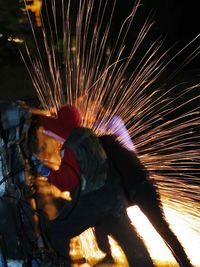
x=80, y=65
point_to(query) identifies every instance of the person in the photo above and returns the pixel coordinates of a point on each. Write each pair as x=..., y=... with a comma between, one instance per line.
x=103, y=204
x=139, y=189
x=142, y=191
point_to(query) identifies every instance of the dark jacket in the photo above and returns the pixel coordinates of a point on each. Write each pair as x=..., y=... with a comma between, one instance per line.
x=132, y=173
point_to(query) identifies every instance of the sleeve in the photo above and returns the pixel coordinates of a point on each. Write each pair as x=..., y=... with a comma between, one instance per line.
x=67, y=177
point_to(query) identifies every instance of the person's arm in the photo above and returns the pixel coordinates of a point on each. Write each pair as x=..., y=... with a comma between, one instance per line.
x=67, y=177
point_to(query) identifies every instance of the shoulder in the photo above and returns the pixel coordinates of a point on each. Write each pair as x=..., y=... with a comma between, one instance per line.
x=77, y=136
x=68, y=154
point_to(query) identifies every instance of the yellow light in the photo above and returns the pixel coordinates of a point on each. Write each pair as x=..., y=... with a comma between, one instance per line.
x=183, y=224
x=35, y=7
x=16, y=40
x=156, y=245
x=154, y=242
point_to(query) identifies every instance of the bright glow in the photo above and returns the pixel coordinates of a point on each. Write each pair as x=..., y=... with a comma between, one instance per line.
x=11, y=39
x=35, y=7
x=182, y=225
x=66, y=195
x=154, y=242
x=90, y=249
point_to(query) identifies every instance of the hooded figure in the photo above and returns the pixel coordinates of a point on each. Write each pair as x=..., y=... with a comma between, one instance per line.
x=68, y=118
x=103, y=207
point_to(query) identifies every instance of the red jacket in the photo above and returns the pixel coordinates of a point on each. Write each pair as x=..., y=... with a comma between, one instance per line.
x=67, y=177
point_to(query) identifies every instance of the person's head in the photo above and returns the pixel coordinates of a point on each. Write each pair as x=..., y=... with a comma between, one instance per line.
x=68, y=118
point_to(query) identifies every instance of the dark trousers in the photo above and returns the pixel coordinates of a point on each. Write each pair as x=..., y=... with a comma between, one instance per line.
x=102, y=240
x=106, y=208
x=148, y=199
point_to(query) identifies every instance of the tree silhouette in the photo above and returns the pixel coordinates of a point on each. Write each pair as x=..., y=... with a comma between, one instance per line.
x=11, y=16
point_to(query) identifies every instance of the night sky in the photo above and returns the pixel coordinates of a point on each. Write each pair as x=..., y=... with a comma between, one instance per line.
x=177, y=21
x=177, y=18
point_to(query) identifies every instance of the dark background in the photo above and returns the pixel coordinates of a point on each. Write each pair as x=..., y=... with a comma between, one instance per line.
x=177, y=21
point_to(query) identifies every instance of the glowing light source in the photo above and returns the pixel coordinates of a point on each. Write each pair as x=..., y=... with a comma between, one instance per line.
x=35, y=7
x=156, y=245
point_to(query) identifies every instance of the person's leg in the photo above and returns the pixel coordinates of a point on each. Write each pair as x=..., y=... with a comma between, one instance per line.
x=102, y=240
x=121, y=229
x=103, y=243
x=149, y=202
x=74, y=220
x=61, y=246
x=107, y=207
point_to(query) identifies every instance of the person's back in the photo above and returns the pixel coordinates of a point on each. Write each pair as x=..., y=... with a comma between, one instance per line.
x=91, y=157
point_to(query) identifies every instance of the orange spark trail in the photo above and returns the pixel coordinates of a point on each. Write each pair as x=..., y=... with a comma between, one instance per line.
x=163, y=122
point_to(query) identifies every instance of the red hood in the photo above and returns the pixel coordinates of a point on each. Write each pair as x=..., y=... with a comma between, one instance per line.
x=68, y=118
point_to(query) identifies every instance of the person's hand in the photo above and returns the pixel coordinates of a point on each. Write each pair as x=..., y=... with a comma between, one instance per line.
x=42, y=169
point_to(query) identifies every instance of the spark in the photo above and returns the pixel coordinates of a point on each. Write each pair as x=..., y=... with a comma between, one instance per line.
x=163, y=122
